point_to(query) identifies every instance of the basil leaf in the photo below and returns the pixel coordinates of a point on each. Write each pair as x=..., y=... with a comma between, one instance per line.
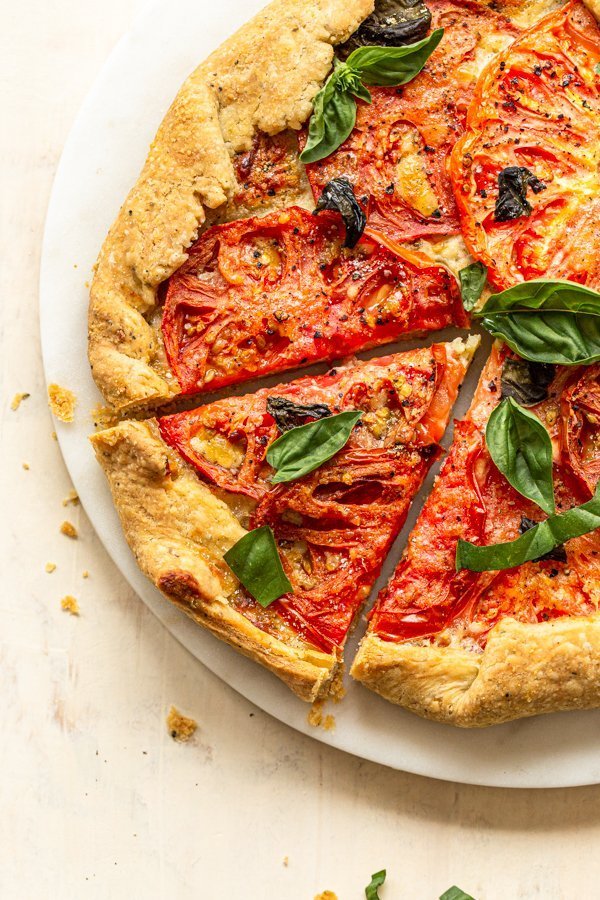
x=527, y=382
x=304, y=449
x=376, y=881
x=255, y=561
x=455, y=893
x=338, y=194
x=393, y=65
x=547, y=321
x=536, y=542
x=333, y=118
x=521, y=448
x=472, y=282
x=288, y=414
x=512, y=202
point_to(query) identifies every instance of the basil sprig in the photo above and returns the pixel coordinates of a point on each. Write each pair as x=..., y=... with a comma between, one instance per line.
x=472, y=282
x=377, y=880
x=455, y=893
x=303, y=449
x=536, y=542
x=334, y=108
x=548, y=321
x=521, y=448
x=255, y=561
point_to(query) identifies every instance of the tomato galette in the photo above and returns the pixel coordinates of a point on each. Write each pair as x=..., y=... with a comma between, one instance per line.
x=261, y=472
x=338, y=176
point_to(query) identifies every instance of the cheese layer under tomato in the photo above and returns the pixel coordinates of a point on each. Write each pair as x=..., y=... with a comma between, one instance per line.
x=335, y=525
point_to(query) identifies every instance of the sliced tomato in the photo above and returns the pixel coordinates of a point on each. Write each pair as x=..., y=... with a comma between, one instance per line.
x=580, y=407
x=265, y=294
x=334, y=526
x=268, y=171
x=537, y=106
x=427, y=598
x=397, y=156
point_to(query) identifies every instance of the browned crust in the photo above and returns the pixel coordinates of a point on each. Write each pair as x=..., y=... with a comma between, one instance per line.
x=525, y=670
x=178, y=531
x=264, y=79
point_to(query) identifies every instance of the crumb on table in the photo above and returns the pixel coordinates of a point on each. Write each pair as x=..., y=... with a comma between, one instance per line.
x=69, y=529
x=17, y=400
x=85, y=574
x=181, y=728
x=286, y=861
x=50, y=567
x=70, y=605
x=326, y=895
x=25, y=466
x=72, y=498
x=316, y=717
x=62, y=402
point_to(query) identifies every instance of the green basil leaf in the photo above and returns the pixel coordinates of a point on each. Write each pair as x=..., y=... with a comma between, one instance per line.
x=536, y=542
x=521, y=448
x=472, y=282
x=334, y=114
x=255, y=561
x=376, y=881
x=455, y=893
x=302, y=450
x=393, y=65
x=547, y=321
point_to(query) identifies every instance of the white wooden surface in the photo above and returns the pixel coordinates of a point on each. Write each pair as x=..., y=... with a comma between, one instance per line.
x=96, y=799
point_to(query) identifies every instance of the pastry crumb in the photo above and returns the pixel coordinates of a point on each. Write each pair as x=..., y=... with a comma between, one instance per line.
x=25, y=466
x=181, y=728
x=17, y=400
x=72, y=498
x=53, y=435
x=62, y=402
x=69, y=529
x=286, y=861
x=317, y=719
x=85, y=574
x=326, y=895
x=70, y=605
x=104, y=416
x=50, y=567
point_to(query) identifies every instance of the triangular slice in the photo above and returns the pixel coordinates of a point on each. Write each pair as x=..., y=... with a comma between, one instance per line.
x=189, y=486
x=473, y=648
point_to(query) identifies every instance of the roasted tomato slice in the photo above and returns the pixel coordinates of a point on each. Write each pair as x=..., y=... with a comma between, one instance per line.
x=536, y=107
x=427, y=598
x=580, y=420
x=265, y=294
x=334, y=526
x=397, y=156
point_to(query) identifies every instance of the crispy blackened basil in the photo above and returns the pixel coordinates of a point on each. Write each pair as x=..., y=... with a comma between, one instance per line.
x=526, y=382
x=338, y=194
x=393, y=23
x=288, y=414
x=557, y=554
x=512, y=193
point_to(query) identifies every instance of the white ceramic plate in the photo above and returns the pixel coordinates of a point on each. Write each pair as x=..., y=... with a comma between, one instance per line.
x=102, y=158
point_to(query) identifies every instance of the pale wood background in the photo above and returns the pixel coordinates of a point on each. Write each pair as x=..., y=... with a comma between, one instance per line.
x=96, y=800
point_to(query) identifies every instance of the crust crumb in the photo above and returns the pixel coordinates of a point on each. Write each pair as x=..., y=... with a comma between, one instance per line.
x=50, y=567
x=72, y=498
x=53, y=435
x=70, y=605
x=17, y=400
x=25, y=466
x=326, y=895
x=286, y=861
x=104, y=417
x=180, y=727
x=62, y=402
x=85, y=574
x=69, y=529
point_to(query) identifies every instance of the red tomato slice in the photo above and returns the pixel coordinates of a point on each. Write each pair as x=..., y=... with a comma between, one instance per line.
x=334, y=526
x=427, y=598
x=537, y=105
x=265, y=294
x=397, y=156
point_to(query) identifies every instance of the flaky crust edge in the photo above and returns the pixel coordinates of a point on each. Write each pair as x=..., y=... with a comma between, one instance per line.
x=524, y=670
x=262, y=79
x=178, y=531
